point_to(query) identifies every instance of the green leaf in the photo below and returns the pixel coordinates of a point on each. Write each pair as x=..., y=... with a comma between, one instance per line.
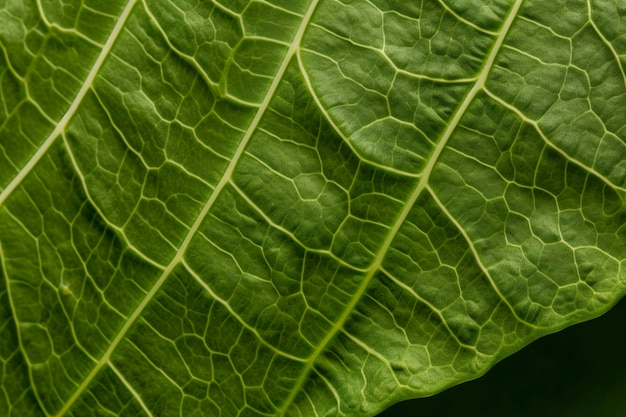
x=573, y=373
x=299, y=207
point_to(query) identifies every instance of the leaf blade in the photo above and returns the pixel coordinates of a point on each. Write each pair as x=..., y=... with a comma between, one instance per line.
x=213, y=181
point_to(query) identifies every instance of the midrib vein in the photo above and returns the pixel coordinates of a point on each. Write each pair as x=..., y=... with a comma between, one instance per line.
x=417, y=191
x=104, y=360
x=62, y=124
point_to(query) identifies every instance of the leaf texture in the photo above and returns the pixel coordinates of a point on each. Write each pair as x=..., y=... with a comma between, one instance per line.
x=299, y=207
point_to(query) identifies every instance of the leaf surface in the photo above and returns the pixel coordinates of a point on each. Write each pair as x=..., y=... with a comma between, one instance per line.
x=303, y=207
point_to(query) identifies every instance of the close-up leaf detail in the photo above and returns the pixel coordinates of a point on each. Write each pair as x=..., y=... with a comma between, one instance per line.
x=299, y=207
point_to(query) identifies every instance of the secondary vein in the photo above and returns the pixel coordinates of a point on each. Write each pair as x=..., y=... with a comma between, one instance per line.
x=417, y=191
x=71, y=111
x=105, y=359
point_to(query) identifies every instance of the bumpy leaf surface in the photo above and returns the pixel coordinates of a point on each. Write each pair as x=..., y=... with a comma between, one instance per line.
x=299, y=207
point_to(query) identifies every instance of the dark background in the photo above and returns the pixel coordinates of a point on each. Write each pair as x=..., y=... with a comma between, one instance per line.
x=578, y=372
